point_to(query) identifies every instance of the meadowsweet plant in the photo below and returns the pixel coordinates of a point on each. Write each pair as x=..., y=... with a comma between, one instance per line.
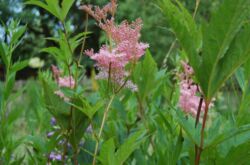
x=63, y=91
x=189, y=92
x=211, y=51
x=123, y=109
x=123, y=48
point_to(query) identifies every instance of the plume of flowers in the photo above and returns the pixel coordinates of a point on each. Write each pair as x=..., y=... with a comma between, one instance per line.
x=124, y=46
x=66, y=81
x=189, y=92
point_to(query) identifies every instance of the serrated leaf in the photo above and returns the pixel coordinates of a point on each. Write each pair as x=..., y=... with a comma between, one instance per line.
x=66, y=5
x=37, y=142
x=19, y=66
x=144, y=75
x=226, y=135
x=247, y=70
x=56, y=105
x=188, y=126
x=178, y=147
x=185, y=29
x=218, y=36
x=107, y=153
x=56, y=52
x=87, y=109
x=77, y=39
x=3, y=53
x=238, y=155
x=239, y=74
x=52, y=6
x=128, y=147
x=79, y=122
x=9, y=85
x=17, y=33
x=237, y=54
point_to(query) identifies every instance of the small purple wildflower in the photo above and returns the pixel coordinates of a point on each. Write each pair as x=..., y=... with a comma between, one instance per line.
x=53, y=121
x=54, y=156
x=50, y=134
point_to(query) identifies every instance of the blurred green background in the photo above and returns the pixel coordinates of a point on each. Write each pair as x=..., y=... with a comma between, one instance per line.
x=40, y=25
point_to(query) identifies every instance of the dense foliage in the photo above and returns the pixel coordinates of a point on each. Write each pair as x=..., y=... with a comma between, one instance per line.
x=125, y=82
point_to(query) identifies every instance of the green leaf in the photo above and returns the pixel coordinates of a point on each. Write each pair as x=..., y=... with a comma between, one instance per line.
x=87, y=109
x=243, y=111
x=18, y=161
x=3, y=53
x=239, y=74
x=185, y=29
x=17, y=33
x=238, y=155
x=66, y=5
x=9, y=85
x=79, y=122
x=19, y=65
x=37, y=142
x=247, y=70
x=128, y=147
x=145, y=75
x=244, y=79
x=77, y=40
x=188, y=126
x=52, y=6
x=107, y=153
x=219, y=60
x=64, y=52
x=55, y=52
x=238, y=53
x=56, y=105
x=178, y=147
x=227, y=135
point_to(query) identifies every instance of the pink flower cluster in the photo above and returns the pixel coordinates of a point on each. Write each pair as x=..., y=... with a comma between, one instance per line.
x=124, y=46
x=189, y=92
x=66, y=81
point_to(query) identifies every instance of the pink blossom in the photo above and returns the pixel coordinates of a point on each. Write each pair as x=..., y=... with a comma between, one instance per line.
x=189, y=92
x=67, y=81
x=124, y=47
x=189, y=99
x=61, y=95
x=56, y=72
x=106, y=58
x=101, y=14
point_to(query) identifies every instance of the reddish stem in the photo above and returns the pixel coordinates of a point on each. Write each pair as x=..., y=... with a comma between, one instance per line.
x=198, y=112
x=199, y=151
x=197, y=121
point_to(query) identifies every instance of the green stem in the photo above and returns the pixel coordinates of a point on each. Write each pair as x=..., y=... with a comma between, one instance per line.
x=101, y=128
x=66, y=37
x=197, y=4
x=84, y=39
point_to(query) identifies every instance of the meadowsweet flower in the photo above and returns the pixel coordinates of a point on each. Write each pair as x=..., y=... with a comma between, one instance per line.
x=61, y=95
x=67, y=81
x=189, y=92
x=56, y=72
x=124, y=46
